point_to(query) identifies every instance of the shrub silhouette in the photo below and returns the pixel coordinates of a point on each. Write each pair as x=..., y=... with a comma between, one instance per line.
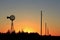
x=25, y=36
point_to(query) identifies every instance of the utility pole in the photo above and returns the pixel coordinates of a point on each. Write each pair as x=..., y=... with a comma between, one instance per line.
x=41, y=22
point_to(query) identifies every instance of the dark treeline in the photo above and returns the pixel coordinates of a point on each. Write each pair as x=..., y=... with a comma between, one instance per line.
x=25, y=36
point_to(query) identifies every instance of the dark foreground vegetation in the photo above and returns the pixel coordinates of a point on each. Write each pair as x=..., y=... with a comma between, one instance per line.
x=26, y=36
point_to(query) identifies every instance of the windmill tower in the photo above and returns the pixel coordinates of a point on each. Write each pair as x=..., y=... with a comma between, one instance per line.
x=12, y=18
x=41, y=22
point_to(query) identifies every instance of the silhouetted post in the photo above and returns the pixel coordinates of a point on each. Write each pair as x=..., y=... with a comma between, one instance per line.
x=41, y=22
x=47, y=31
x=45, y=28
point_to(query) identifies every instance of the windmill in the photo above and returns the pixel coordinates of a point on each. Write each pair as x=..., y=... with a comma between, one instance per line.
x=12, y=18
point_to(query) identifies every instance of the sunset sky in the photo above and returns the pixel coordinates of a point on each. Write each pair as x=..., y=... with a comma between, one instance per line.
x=27, y=13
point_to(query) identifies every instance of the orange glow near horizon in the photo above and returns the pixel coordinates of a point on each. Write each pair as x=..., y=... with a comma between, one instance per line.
x=29, y=30
x=27, y=26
